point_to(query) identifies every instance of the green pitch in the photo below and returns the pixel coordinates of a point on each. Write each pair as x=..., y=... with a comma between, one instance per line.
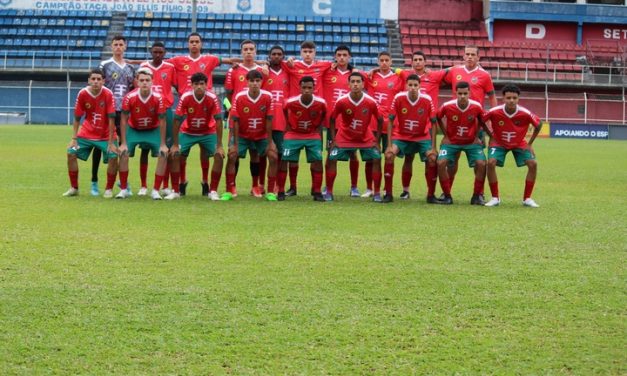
x=95, y=286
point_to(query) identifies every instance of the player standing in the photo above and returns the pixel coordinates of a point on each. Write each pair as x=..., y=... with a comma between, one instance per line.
x=413, y=133
x=97, y=105
x=252, y=130
x=143, y=123
x=305, y=114
x=356, y=111
x=460, y=120
x=201, y=116
x=510, y=123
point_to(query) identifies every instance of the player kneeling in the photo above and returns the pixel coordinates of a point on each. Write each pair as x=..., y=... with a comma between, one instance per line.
x=143, y=124
x=201, y=114
x=460, y=120
x=510, y=123
x=414, y=134
x=304, y=114
x=97, y=105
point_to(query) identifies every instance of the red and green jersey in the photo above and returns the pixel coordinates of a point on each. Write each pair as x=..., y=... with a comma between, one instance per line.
x=335, y=85
x=299, y=69
x=304, y=120
x=163, y=78
x=278, y=84
x=383, y=88
x=479, y=80
x=461, y=125
x=186, y=66
x=235, y=80
x=430, y=82
x=200, y=114
x=353, y=131
x=510, y=130
x=143, y=113
x=97, y=109
x=414, y=118
x=252, y=114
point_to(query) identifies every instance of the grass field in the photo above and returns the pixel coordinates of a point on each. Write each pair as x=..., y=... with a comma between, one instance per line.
x=95, y=286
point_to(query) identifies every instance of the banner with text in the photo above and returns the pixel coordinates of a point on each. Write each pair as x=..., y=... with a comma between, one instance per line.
x=590, y=131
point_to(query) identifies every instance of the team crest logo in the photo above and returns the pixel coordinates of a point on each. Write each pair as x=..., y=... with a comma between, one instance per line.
x=263, y=108
x=517, y=122
x=284, y=82
x=164, y=75
x=190, y=110
x=241, y=78
x=137, y=110
x=202, y=66
x=152, y=110
x=313, y=113
x=375, y=83
x=300, y=71
x=458, y=77
x=364, y=111
x=455, y=118
x=244, y=5
x=115, y=75
x=299, y=113
x=474, y=80
x=101, y=104
x=501, y=123
x=390, y=85
x=88, y=105
x=421, y=111
x=471, y=118
x=270, y=81
x=404, y=110
x=185, y=67
x=334, y=79
x=246, y=110
x=349, y=111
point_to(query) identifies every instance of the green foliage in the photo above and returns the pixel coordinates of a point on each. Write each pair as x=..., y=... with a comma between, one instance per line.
x=96, y=286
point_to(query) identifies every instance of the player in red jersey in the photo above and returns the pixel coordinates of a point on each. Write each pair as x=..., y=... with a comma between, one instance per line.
x=510, y=123
x=143, y=123
x=414, y=132
x=252, y=130
x=383, y=85
x=460, y=120
x=96, y=104
x=163, y=75
x=356, y=111
x=305, y=114
x=234, y=83
x=200, y=109
x=185, y=67
x=430, y=83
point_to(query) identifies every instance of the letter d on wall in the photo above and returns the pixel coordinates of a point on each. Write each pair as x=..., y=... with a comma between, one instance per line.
x=535, y=31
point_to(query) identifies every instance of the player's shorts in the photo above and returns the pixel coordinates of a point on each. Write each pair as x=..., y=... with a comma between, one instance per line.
x=344, y=154
x=244, y=144
x=205, y=141
x=277, y=137
x=169, y=126
x=148, y=140
x=85, y=146
x=474, y=153
x=413, y=147
x=292, y=148
x=520, y=155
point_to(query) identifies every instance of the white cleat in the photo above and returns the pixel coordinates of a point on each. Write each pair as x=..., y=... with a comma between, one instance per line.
x=143, y=191
x=123, y=194
x=367, y=194
x=530, y=203
x=214, y=196
x=173, y=196
x=108, y=193
x=166, y=191
x=71, y=192
x=155, y=195
x=494, y=201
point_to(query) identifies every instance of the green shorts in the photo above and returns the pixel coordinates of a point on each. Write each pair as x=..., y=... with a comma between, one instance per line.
x=206, y=141
x=244, y=144
x=413, y=147
x=344, y=154
x=292, y=148
x=149, y=140
x=85, y=146
x=520, y=155
x=277, y=137
x=474, y=152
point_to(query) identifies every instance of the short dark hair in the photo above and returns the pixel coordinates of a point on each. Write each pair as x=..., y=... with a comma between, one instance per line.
x=308, y=44
x=96, y=71
x=194, y=34
x=247, y=41
x=305, y=79
x=420, y=53
x=342, y=47
x=413, y=77
x=254, y=75
x=384, y=53
x=277, y=47
x=356, y=74
x=158, y=44
x=118, y=37
x=198, y=77
x=511, y=88
x=472, y=46
x=462, y=85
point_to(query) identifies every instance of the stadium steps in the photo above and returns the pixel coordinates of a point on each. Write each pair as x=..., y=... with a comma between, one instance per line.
x=394, y=38
x=116, y=27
